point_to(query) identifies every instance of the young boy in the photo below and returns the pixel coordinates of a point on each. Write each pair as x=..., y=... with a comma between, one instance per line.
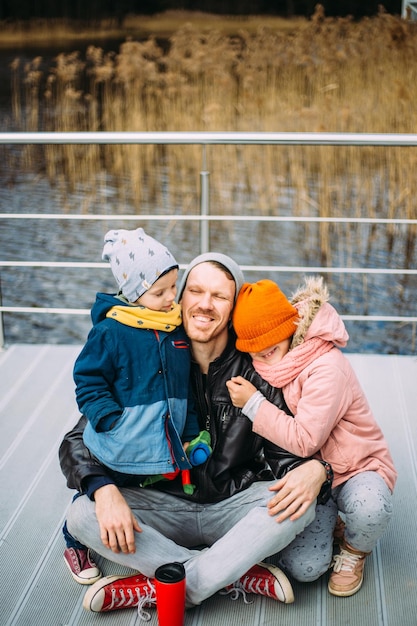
x=132, y=376
x=296, y=346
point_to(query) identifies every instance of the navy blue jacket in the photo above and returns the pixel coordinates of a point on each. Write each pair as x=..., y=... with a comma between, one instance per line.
x=132, y=384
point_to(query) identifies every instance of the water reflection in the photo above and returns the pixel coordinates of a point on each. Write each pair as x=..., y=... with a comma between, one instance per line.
x=262, y=243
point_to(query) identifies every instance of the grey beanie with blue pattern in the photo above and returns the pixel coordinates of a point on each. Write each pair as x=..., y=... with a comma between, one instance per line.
x=136, y=260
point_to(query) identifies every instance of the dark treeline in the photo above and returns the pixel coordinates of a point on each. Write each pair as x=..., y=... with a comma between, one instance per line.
x=92, y=10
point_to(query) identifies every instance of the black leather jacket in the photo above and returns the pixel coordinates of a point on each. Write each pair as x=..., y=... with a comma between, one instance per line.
x=239, y=458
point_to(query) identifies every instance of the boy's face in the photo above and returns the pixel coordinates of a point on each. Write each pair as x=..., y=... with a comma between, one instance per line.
x=161, y=295
x=274, y=354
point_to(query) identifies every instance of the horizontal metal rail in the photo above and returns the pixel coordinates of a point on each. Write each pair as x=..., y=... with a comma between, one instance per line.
x=209, y=218
x=249, y=268
x=63, y=311
x=207, y=138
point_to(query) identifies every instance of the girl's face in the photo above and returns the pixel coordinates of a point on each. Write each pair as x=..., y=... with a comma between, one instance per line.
x=274, y=354
x=161, y=295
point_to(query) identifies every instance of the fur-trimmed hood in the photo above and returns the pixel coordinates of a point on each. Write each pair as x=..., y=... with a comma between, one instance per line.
x=318, y=318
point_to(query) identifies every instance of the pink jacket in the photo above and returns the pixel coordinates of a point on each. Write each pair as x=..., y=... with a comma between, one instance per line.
x=332, y=418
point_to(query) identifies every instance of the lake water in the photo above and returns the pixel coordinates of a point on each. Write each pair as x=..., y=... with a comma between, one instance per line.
x=249, y=243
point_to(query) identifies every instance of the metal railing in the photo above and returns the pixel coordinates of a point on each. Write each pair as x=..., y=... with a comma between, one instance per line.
x=204, y=217
x=409, y=10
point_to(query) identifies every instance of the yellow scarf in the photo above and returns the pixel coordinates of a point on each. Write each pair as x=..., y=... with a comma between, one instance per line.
x=141, y=317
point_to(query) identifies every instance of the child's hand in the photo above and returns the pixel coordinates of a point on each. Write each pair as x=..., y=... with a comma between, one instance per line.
x=240, y=390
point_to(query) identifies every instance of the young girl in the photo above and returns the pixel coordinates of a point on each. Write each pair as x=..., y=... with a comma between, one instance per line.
x=296, y=346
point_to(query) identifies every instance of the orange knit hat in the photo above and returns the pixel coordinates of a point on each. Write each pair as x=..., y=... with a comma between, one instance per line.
x=262, y=316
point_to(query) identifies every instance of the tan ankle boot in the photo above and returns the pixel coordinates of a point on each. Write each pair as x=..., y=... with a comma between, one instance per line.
x=347, y=576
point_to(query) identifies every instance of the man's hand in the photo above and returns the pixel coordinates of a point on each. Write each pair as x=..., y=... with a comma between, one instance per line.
x=296, y=491
x=240, y=390
x=116, y=520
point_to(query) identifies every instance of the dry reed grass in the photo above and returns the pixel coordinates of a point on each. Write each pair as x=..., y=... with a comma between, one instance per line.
x=328, y=74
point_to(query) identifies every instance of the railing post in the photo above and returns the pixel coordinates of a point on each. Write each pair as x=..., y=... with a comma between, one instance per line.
x=204, y=204
x=1, y=333
x=1, y=322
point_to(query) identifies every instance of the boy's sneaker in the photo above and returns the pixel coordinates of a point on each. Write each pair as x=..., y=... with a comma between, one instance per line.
x=347, y=575
x=81, y=565
x=265, y=580
x=121, y=592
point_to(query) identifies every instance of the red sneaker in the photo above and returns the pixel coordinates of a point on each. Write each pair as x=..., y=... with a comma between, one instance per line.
x=81, y=565
x=264, y=580
x=121, y=592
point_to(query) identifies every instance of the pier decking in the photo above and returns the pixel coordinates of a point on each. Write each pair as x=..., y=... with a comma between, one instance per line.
x=37, y=407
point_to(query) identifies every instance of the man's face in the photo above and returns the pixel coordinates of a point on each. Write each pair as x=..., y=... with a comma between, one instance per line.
x=207, y=303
